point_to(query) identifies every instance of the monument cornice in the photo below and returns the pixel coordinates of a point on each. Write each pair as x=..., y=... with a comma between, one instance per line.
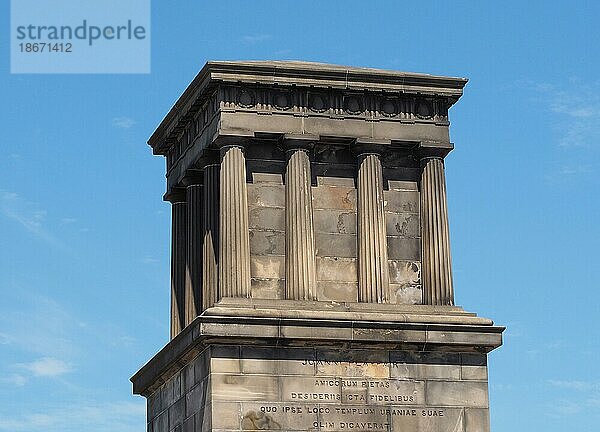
x=304, y=88
x=289, y=329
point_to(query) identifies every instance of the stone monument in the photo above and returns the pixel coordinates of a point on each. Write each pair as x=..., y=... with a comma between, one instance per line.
x=311, y=279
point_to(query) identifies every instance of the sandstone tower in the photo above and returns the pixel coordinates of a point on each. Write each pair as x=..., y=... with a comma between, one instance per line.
x=311, y=278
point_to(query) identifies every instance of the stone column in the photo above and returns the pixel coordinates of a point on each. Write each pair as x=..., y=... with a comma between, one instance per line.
x=436, y=266
x=210, y=245
x=373, y=270
x=234, y=242
x=193, y=272
x=178, y=252
x=300, y=267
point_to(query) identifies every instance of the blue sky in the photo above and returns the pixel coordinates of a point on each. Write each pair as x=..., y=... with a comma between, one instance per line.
x=84, y=235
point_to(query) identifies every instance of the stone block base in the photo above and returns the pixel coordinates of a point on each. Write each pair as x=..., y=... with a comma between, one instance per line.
x=224, y=376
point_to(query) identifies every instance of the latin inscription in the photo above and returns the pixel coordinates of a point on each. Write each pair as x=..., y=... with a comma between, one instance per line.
x=347, y=396
x=354, y=418
x=352, y=391
x=350, y=364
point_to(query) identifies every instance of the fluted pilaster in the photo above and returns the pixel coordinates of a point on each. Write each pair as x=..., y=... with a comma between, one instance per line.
x=234, y=247
x=193, y=273
x=373, y=272
x=435, y=239
x=300, y=267
x=210, y=245
x=178, y=256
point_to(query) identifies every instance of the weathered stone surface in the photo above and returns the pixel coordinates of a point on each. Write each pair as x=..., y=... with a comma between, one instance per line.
x=189, y=425
x=176, y=413
x=267, y=288
x=267, y=243
x=196, y=398
x=477, y=420
x=267, y=218
x=430, y=419
x=405, y=272
x=478, y=373
x=400, y=248
x=226, y=415
x=332, y=170
x=474, y=367
x=334, y=197
x=335, y=245
x=337, y=291
x=161, y=422
x=266, y=195
x=278, y=416
x=270, y=360
x=188, y=377
x=336, y=181
x=201, y=366
x=410, y=339
x=403, y=224
x=401, y=201
x=258, y=177
x=425, y=365
x=262, y=152
x=406, y=294
x=177, y=389
x=335, y=221
x=467, y=394
x=336, y=269
x=405, y=282
x=400, y=185
x=225, y=364
x=235, y=387
x=309, y=389
x=460, y=338
x=204, y=419
x=301, y=331
x=268, y=266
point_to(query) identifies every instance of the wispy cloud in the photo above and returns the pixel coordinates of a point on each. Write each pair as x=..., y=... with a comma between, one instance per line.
x=584, y=395
x=574, y=169
x=257, y=38
x=46, y=367
x=149, y=260
x=123, y=341
x=23, y=212
x=578, y=106
x=573, y=385
x=123, y=122
x=124, y=416
x=29, y=215
x=15, y=380
x=40, y=326
x=49, y=345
